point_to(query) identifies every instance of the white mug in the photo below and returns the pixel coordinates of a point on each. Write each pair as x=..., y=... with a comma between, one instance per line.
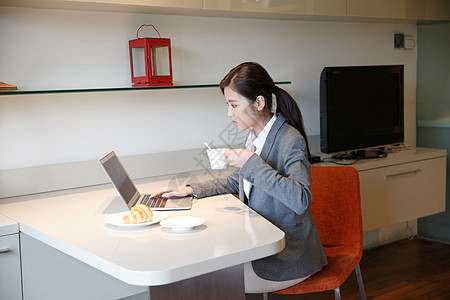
x=217, y=158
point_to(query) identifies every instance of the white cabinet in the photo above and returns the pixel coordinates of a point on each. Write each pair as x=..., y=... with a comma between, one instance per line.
x=10, y=279
x=404, y=186
x=437, y=10
x=303, y=7
x=133, y=6
x=51, y=274
x=403, y=192
x=401, y=9
x=155, y=3
x=365, y=9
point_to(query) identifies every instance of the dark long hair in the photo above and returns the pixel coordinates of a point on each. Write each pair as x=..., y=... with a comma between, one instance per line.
x=251, y=80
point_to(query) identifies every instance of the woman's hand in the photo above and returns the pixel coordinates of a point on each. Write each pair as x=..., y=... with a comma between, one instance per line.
x=178, y=191
x=238, y=157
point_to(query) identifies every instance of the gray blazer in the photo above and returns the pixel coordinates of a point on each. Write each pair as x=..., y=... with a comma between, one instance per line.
x=281, y=193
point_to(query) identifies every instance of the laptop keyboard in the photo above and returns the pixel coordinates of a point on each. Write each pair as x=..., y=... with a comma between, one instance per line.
x=154, y=202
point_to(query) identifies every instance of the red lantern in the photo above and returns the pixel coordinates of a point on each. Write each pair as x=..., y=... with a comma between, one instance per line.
x=150, y=60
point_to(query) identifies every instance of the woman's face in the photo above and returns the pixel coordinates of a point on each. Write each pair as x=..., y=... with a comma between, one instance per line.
x=242, y=112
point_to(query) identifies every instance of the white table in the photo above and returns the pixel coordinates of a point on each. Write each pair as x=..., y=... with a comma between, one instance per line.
x=8, y=226
x=10, y=277
x=73, y=222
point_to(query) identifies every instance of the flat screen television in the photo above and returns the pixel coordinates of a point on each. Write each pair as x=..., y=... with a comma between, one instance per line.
x=361, y=107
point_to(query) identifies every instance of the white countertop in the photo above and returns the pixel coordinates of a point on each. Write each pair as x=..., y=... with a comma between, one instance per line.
x=393, y=158
x=72, y=221
x=8, y=226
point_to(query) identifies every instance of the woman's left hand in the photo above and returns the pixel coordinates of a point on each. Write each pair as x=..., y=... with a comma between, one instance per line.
x=237, y=157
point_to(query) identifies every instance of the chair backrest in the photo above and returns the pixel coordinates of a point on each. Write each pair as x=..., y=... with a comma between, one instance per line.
x=336, y=205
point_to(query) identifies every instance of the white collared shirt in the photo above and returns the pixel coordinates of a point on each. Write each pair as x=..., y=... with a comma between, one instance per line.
x=258, y=142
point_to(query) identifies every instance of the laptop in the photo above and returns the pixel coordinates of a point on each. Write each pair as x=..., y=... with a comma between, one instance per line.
x=129, y=193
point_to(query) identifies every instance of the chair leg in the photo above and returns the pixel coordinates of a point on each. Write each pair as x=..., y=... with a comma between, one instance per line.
x=360, y=282
x=337, y=293
x=265, y=296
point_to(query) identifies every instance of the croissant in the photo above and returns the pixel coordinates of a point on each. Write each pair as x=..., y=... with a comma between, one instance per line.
x=140, y=213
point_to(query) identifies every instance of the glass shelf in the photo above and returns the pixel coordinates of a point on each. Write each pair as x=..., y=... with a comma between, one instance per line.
x=197, y=86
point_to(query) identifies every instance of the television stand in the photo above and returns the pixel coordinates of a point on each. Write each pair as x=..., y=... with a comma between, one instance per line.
x=360, y=154
x=406, y=185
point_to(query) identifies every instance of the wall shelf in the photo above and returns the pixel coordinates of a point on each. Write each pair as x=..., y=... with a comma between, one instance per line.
x=196, y=86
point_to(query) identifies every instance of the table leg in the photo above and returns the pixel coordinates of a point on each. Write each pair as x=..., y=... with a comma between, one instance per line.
x=224, y=284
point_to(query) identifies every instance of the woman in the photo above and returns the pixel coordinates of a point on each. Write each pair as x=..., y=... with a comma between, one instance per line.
x=272, y=176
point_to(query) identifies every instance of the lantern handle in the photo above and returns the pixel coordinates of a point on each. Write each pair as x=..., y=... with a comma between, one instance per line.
x=137, y=32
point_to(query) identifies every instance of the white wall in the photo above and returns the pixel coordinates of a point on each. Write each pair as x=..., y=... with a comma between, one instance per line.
x=55, y=49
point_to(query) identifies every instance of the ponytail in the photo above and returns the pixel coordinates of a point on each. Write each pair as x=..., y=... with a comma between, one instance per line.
x=288, y=108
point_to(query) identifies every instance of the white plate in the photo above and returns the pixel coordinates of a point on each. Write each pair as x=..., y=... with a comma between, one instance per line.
x=182, y=223
x=116, y=219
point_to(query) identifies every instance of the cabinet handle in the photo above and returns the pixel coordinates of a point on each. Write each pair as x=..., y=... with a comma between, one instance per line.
x=4, y=250
x=403, y=173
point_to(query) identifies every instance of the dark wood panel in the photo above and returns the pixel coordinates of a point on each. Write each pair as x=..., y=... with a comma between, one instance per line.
x=224, y=284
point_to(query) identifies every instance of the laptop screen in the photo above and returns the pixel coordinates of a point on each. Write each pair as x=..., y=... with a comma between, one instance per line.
x=119, y=177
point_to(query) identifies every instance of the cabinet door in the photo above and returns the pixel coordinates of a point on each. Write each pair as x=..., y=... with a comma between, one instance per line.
x=437, y=10
x=53, y=275
x=155, y=3
x=304, y=7
x=10, y=282
x=402, y=9
x=402, y=192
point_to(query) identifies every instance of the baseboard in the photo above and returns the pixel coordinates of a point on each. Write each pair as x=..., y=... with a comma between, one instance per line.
x=390, y=234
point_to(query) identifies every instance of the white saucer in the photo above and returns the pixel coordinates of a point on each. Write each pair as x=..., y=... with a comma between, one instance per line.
x=116, y=219
x=182, y=223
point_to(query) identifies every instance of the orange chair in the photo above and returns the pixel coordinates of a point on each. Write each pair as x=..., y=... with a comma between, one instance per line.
x=336, y=210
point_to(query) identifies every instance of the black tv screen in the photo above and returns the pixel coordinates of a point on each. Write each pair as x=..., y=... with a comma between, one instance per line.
x=361, y=107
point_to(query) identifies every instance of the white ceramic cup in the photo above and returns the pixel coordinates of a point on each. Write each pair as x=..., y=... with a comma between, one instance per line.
x=217, y=158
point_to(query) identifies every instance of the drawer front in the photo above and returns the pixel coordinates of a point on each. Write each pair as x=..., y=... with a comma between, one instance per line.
x=10, y=279
x=403, y=192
